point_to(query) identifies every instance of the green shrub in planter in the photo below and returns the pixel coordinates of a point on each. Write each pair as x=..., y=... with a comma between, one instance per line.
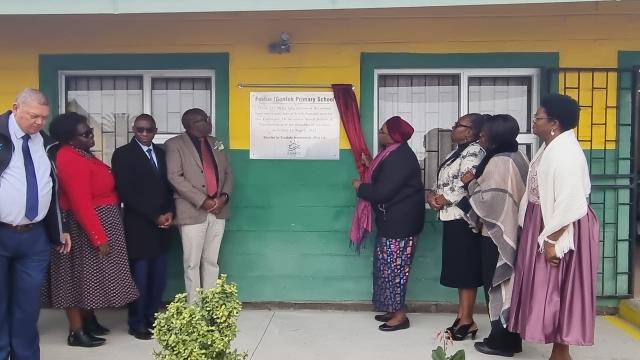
x=203, y=330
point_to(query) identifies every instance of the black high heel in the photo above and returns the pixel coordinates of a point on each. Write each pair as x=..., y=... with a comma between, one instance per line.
x=452, y=328
x=462, y=331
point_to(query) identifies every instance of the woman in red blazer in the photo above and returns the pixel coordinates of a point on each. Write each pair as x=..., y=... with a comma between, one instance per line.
x=95, y=274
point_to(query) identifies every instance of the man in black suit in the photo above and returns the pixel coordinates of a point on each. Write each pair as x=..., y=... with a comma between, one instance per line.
x=140, y=171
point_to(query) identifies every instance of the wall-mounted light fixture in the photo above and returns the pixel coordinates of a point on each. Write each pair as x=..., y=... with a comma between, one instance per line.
x=282, y=46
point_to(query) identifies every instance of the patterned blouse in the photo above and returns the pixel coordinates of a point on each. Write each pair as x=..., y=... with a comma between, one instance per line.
x=449, y=183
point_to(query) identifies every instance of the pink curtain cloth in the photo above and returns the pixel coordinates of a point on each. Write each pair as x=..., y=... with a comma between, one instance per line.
x=350, y=115
x=361, y=224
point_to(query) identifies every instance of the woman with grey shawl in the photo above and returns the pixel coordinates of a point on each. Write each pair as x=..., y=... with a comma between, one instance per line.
x=495, y=191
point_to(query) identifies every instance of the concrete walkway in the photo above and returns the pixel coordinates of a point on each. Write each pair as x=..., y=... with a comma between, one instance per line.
x=322, y=335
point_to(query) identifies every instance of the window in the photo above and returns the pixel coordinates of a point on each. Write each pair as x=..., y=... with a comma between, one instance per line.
x=432, y=100
x=112, y=100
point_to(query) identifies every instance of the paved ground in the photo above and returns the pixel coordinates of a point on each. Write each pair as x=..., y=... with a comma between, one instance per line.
x=322, y=335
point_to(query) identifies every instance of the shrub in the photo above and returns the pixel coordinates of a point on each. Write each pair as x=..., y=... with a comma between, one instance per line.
x=202, y=330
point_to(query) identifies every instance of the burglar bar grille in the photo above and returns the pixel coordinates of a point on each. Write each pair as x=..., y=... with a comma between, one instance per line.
x=607, y=134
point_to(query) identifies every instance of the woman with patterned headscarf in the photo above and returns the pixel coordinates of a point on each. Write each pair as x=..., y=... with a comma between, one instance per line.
x=393, y=188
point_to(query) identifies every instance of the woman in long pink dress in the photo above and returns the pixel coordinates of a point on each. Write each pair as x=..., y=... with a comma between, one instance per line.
x=554, y=295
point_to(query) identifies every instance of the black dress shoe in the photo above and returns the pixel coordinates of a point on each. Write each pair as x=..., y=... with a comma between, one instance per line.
x=80, y=338
x=141, y=334
x=485, y=349
x=403, y=325
x=514, y=342
x=92, y=326
x=95, y=338
x=383, y=317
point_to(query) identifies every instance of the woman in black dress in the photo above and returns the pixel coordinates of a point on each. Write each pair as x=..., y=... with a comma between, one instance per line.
x=460, y=245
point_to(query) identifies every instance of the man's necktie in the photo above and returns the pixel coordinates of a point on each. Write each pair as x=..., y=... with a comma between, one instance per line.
x=153, y=162
x=210, y=180
x=31, y=211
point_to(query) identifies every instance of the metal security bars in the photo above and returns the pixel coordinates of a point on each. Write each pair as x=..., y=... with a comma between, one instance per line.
x=606, y=131
x=112, y=100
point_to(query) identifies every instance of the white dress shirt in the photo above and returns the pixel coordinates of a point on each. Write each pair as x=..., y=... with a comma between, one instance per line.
x=145, y=148
x=13, y=181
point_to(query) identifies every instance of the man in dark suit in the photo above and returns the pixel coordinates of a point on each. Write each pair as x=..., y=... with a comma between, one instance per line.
x=29, y=222
x=140, y=171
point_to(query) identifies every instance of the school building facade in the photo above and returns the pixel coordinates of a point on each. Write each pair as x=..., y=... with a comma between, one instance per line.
x=427, y=61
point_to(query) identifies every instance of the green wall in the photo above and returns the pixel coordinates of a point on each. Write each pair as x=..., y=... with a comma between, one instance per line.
x=288, y=236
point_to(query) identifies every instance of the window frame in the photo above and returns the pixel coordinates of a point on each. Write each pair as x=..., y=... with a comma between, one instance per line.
x=147, y=76
x=51, y=64
x=526, y=138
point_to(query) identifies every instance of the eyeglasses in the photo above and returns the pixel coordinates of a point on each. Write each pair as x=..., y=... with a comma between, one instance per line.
x=458, y=125
x=536, y=118
x=87, y=134
x=148, y=130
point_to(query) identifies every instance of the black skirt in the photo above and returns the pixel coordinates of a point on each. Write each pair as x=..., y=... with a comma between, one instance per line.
x=461, y=259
